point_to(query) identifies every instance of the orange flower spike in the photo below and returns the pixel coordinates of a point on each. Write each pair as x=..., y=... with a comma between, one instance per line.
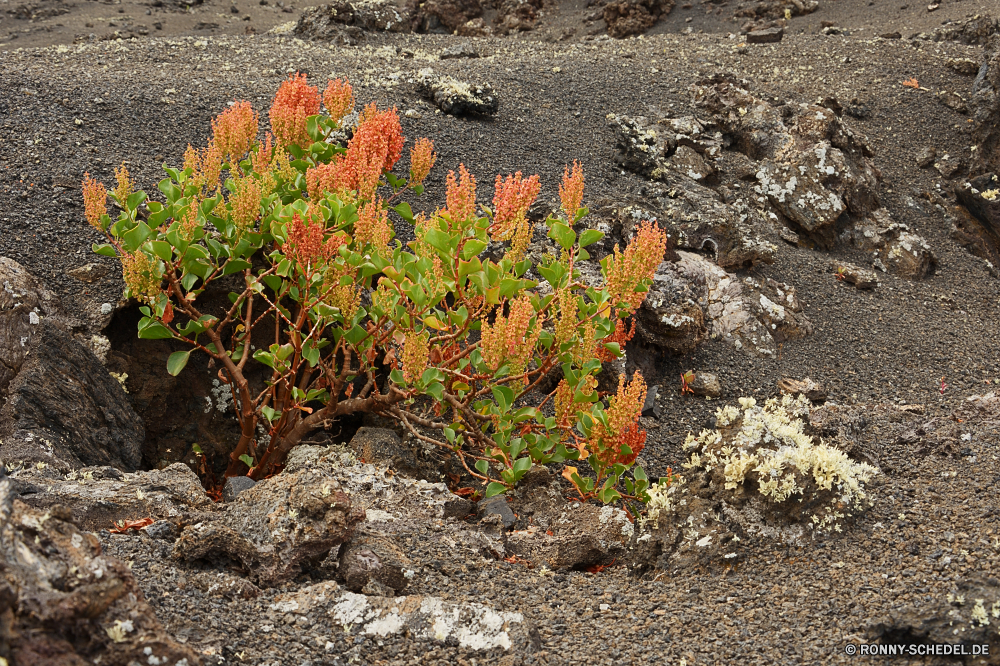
x=295, y=101
x=95, y=201
x=234, y=131
x=373, y=225
x=261, y=159
x=245, y=203
x=126, y=186
x=338, y=98
x=626, y=271
x=211, y=166
x=511, y=200
x=461, y=194
x=626, y=406
x=192, y=159
x=571, y=190
x=422, y=158
x=141, y=276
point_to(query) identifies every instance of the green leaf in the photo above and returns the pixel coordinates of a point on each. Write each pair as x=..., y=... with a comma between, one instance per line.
x=264, y=357
x=235, y=265
x=438, y=239
x=153, y=330
x=269, y=413
x=246, y=460
x=162, y=249
x=504, y=395
x=563, y=235
x=310, y=353
x=590, y=236
x=521, y=466
x=436, y=390
x=171, y=191
x=104, y=250
x=483, y=467
x=405, y=212
x=472, y=248
x=135, y=199
x=356, y=335
x=177, y=361
x=131, y=240
x=495, y=489
x=188, y=281
x=273, y=282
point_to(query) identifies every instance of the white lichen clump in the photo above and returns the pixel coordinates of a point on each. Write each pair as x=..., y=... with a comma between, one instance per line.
x=767, y=445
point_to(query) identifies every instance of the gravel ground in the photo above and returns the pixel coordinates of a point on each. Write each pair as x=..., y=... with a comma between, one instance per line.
x=71, y=109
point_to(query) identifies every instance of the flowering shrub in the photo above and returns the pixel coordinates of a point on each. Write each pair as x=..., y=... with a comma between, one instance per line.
x=448, y=343
x=765, y=448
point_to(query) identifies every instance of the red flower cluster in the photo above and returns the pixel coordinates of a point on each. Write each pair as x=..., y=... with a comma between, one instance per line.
x=511, y=201
x=621, y=336
x=375, y=148
x=295, y=101
x=234, y=131
x=571, y=190
x=461, y=195
x=262, y=158
x=305, y=244
x=510, y=340
x=623, y=424
x=338, y=98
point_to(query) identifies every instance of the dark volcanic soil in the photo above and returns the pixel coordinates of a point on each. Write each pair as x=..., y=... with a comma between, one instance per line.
x=70, y=109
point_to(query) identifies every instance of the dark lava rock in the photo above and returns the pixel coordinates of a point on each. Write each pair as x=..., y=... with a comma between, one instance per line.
x=649, y=405
x=97, y=615
x=61, y=405
x=236, y=485
x=369, y=558
x=459, y=51
x=443, y=16
x=985, y=107
x=383, y=447
x=346, y=22
x=634, y=17
x=277, y=527
x=768, y=36
x=497, y=505
x=458, y=508
x=162, y=529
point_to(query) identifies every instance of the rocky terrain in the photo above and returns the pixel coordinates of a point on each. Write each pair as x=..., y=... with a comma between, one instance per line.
x=827, y=175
